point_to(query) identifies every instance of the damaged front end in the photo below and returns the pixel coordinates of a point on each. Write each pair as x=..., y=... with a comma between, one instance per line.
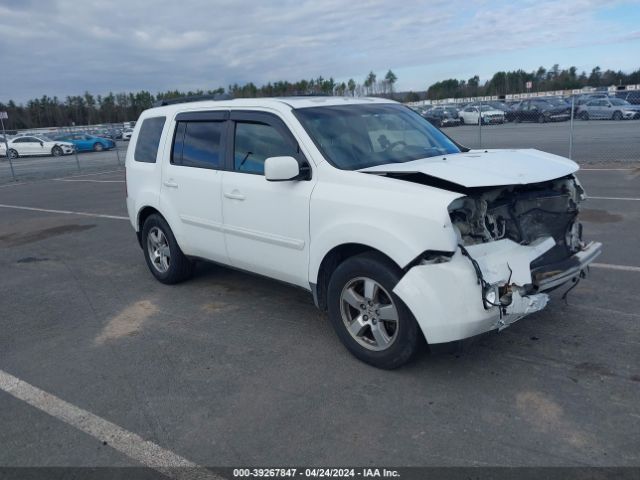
x=515, y=243
x=544, y=247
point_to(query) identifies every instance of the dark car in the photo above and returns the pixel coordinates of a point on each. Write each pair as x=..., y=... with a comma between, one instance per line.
x=631, y=96
x=442, y=116
x=541, y=111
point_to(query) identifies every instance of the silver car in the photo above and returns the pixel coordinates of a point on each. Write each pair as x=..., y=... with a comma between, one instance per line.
x=608, y=109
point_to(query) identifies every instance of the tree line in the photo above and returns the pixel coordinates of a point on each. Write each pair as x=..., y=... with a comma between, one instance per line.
x=543, y=80
x=90, y=109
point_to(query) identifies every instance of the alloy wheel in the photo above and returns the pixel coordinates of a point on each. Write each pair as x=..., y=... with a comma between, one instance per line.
x=158, y=250
x=369, y=314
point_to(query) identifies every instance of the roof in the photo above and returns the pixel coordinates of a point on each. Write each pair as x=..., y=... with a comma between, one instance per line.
x=277, y=103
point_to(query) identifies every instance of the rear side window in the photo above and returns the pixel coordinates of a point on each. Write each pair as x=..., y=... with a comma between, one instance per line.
x=149, y=139
x=197, y=144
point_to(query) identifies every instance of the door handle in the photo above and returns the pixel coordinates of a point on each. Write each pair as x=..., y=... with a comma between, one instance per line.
x=170, y=183
x=234, y=195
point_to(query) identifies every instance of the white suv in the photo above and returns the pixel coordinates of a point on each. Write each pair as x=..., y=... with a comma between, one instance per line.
x=401, y=234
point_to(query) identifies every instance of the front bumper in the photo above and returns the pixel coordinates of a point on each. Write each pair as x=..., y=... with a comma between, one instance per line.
x=446, y=298
x=67, y=150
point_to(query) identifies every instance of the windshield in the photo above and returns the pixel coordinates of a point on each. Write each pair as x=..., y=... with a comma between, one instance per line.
x=360, y=136
x=557, y=102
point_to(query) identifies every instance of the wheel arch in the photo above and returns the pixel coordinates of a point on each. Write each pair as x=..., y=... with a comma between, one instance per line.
x=331, y=260
x=144, y=213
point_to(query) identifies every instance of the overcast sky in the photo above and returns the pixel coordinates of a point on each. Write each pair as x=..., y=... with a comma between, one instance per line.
x=64, y=47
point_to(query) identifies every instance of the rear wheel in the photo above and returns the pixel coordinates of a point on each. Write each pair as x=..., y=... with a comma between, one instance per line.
x=56, y=151
x=163, y=255
x=617, y=115
x=370, y=320
x=98, y=147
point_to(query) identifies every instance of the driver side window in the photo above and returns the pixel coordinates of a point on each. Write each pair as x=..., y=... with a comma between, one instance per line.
x=254, y=143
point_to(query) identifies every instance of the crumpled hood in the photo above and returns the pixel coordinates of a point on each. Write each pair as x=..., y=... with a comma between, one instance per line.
x=487, y=168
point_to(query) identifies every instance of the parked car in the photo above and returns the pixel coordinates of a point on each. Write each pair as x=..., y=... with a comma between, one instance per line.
x=26, y=145
x=398, y=232
x=87, y=143
x=510, y=114
x=608, y=109
x=126, y=134
x=631, y=96
x=442, y=116
x=471, y=115
x=541, y=111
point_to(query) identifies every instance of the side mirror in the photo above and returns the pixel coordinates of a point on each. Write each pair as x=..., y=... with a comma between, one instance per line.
x=281, y=169
x=41, y=143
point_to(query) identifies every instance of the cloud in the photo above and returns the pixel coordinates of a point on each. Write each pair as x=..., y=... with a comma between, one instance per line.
x=66, y=47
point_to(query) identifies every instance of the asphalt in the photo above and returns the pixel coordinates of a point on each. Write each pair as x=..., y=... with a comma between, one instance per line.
x=230, y=369
x=594, y=142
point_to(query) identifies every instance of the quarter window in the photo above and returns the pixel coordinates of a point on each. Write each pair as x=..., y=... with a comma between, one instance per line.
x=254, y=143
x=149, y=139
x=197, y=144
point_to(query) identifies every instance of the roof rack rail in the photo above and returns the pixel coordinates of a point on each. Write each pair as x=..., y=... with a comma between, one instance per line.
x=192, y=98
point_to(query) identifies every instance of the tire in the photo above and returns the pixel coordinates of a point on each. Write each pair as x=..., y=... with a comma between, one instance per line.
x=98, y=147
x=13, y=153
x=542, y=118
x=516, y=119
x=584, y=116
x=617, y=115
x=461, y=121
x=395, y=341
x=169, y=267
x=56, y=151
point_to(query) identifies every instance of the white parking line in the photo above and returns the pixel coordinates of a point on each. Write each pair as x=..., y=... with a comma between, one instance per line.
x=614, y=198
x=87, y=180
x=91, y=174
x=608, y=266
x=64, y=212
x=130, y=444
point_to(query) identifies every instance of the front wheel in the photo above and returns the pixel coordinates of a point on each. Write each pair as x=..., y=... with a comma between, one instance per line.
x=13, y=153
x=163, y=255
x=56, y=151
x=98, y=147
x=617, y=115
x=542, y=118
x=370, y=320
x=584, y=116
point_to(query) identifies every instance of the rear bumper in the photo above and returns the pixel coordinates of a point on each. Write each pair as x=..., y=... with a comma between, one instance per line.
x=447, y=300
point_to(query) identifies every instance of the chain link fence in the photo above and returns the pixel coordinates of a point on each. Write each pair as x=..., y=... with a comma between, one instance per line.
x=599, y=128
x=35, y=156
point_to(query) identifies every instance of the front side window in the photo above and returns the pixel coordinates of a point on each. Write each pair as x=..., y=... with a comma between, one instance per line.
x=254, y=143
x=197, y=144
x=149, y=139
x=352, y=137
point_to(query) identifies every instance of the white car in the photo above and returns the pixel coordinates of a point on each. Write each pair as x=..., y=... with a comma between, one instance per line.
x=126, y=133
x=28, y=145
x=399, y=233
x=471, y=114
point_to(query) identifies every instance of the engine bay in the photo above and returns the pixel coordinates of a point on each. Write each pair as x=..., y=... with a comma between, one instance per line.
x=523, y=214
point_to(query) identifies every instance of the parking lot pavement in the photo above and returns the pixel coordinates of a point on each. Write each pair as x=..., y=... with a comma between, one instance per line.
x=230, y=369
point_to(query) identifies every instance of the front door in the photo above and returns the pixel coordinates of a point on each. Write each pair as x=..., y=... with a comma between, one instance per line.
x=266, y=223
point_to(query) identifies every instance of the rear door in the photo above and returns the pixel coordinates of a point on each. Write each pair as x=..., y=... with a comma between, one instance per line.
x=266, y=223
x=190, y=194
